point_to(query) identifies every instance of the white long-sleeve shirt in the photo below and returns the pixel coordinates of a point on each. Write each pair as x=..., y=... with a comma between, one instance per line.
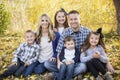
x=46, y=51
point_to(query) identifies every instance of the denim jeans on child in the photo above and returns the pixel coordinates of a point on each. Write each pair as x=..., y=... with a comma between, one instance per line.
x=16, y=70
x=65, y=72
x=79, y=68
x=29, y=69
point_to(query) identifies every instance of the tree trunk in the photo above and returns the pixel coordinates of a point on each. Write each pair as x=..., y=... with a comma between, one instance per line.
x=117, y=7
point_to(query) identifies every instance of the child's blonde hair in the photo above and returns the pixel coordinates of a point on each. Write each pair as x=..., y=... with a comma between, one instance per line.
x=29, y=31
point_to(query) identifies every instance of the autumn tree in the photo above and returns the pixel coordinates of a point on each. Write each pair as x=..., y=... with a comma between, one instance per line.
x=117, y=7
x=4, y=19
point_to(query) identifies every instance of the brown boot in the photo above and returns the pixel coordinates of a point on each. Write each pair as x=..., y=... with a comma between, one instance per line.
x=79, y=77
x=99, y=78
x=108, y=76
x=49, y=77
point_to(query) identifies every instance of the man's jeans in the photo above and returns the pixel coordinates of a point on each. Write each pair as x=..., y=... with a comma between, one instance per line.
x=39, y=69
x=79, y=68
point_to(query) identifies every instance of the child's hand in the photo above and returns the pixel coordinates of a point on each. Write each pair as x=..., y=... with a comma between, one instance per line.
x=96, y=55
x=58, y=64
x=110, y=68
x=26, y=64
x=14, y=63
x=97, y=52
x=68, y=62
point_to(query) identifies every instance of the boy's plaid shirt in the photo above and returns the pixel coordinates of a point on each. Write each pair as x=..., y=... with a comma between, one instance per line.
x=27, y=53
x=79, y=37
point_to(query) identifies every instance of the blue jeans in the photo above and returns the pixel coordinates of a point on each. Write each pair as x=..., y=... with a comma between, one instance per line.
x=29, y=70
x=65, y=72
x=39, y=69
x=79, y=68
x=16, y=70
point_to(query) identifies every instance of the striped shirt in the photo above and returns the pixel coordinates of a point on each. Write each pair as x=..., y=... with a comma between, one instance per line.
x=79, y=37
x=27, y=53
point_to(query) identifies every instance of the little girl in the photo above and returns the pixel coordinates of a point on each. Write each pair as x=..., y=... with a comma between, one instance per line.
x=93, y=54
x=60, y=21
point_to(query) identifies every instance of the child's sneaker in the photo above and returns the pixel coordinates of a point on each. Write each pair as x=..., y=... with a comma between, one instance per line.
x=79, y=77
x=1, y=77
x=108, y=76
x=99, y=78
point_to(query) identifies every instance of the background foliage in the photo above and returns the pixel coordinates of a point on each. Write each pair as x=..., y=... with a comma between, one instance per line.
x=4, y=19
x=24, y=14
x=94, y=13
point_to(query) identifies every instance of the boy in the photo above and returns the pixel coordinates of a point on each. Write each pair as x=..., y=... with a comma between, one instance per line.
x=25, y=55
x=68, y=56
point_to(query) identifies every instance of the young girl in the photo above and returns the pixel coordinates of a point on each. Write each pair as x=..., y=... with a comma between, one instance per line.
x=94, y=55
x=48, y=40
x=60, y=21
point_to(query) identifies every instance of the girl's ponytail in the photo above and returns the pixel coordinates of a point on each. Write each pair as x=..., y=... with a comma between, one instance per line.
x=99, y=30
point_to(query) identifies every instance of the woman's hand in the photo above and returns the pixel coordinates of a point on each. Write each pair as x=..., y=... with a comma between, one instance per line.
x=52, y=59
x=54, y=29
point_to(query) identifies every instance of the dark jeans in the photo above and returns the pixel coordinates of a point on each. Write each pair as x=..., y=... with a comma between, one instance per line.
x=29, y=69
x=65, y=72
x=95, y=66
x=39, y=68
x=16, y=70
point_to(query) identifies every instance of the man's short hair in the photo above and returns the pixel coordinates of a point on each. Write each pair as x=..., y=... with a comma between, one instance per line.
x=73, y=12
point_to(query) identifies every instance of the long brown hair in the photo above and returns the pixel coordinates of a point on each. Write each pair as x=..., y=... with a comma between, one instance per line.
x=51, y=34
x=86, y=45
x=65, y=24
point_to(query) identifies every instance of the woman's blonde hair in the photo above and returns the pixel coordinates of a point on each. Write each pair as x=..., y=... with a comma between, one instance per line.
x=51, y=34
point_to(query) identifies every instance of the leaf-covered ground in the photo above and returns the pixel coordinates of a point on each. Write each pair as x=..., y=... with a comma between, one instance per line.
x=9, y=43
